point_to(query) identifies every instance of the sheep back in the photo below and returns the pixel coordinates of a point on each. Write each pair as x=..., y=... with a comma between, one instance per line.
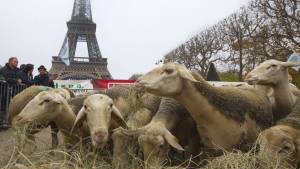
x=236, y=102
x=293, y=119
x=20, y=100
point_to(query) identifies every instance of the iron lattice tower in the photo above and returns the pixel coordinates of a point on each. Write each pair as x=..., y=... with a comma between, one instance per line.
x=81, y=28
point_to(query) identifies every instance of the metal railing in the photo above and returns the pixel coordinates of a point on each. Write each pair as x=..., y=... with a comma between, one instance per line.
x=7, y=92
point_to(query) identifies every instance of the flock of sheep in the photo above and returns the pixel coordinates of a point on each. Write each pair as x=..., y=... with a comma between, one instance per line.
x=173, y=109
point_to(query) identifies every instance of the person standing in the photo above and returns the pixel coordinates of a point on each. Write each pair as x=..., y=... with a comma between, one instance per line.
x=43, y=78
x=25, y=74
x=10, y=70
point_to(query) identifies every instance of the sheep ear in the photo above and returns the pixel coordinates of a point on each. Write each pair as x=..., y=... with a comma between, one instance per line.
x=172, y=140
x=186, y=74
x=79, y=118
x=290, y=64
x=117, y=116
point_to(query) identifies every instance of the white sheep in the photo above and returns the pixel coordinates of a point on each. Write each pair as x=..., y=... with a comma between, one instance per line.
x=143, y=106
x=227, y=117
x=135, y=106
x=19, y=101
x=274, y=75
x=98, y=111
x=283, y=139
x=156, y=138
x=51, y=106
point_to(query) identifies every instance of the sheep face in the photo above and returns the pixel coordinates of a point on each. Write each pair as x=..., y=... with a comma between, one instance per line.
x=166, y=80
x=276, y=141
x=155, y=141
x=154, y=147
x=43, y=108
x=98, y=110
x=270, y=72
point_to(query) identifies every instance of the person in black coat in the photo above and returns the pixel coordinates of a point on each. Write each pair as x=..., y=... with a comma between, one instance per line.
x=25, y=74
x=10, y=70
x=43, y=78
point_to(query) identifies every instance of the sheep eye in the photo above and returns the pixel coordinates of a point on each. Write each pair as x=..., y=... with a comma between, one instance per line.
x=272, y=66
x=85, y=107
x=111, y=105
x=161, y=145
x=47, y=101
x=286, y=148
x=169, y=71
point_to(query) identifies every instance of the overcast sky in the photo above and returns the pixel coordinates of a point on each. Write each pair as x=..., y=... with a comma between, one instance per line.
x=132, y=34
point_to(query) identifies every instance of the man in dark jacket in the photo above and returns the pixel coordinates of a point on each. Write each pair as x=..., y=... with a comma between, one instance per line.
x=25, y=74
x=10, y=70
x=44, y=80
x=43, y=77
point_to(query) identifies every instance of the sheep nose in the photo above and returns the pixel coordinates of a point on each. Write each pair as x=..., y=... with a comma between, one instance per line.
x=100, y=136
x=250, y=78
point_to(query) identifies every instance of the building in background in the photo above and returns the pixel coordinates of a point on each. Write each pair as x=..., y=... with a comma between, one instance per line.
x=81, y=28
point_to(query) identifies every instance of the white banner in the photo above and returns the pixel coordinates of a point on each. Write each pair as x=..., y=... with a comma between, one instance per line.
x=78, y=86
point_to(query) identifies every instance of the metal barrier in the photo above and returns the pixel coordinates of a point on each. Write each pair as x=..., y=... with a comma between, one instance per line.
x=7, y=92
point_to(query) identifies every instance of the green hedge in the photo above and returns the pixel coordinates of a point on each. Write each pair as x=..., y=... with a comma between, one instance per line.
x=229, y=77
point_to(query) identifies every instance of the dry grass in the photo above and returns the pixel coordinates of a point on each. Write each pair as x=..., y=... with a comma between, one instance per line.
x=33, y=156
x=43, y=157
x=250, y=160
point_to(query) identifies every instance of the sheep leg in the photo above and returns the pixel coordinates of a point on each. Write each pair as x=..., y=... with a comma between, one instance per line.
x=54, y=133
x=194, y=146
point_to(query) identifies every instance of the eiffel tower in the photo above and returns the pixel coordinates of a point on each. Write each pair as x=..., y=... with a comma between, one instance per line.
x=81, y=28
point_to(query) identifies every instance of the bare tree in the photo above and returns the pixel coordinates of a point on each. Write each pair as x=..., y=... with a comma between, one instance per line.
x=265, y=29
x=199, y=52
x=208, y=44
x=284, y=23
x=240, y=28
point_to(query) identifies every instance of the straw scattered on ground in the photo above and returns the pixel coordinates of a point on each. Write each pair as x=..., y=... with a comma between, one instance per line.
x=39, y=155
